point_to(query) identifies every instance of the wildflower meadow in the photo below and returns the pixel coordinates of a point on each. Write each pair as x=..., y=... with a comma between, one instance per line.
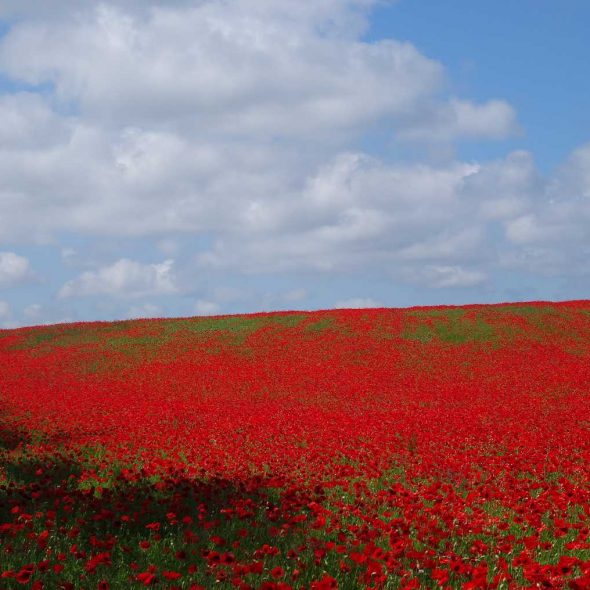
x=444, y=447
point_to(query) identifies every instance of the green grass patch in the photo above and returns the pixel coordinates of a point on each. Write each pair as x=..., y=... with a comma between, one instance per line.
x=233, y=329
x=320, y=325
x=46, y=338
x=529, y=322
x=452, y=326
x=232, y=324
x=51, y=338
x=143, y=341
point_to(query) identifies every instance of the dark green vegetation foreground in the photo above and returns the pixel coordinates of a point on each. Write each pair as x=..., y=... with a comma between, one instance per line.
x=343, y=449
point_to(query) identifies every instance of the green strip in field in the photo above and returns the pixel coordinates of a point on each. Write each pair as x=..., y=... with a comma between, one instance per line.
x=147, y=336
x=453, y=326
x=65, y=335
x=320, y=325
x=232, y=324
x=148, y=340
x=541, y=321
x=536, y=316
x=135, y=346
x=234, y=329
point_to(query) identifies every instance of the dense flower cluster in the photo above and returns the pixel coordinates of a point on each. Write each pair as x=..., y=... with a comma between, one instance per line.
x=432, y=447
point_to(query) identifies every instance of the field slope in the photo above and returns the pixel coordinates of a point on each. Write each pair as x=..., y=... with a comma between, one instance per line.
x=386, y=448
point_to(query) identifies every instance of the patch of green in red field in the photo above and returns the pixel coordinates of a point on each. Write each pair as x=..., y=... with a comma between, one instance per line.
x=452, y=326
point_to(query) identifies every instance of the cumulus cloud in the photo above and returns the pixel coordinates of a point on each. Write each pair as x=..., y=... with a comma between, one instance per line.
x=181, y=116
x=242, y=67
x=356, y=213
x=241, y=121
x=14, y=270
x=505, y=188
x=344, y=17
x=28, y=122
x=124, y=278
x=551, y=235
x=574, y=176
x=494, y=119
x=450, y=225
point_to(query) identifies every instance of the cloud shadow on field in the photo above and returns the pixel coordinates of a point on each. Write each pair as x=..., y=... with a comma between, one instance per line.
x=110, y=521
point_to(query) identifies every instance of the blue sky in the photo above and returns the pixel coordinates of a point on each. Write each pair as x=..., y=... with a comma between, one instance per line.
x=533, y=53
x=189, y=158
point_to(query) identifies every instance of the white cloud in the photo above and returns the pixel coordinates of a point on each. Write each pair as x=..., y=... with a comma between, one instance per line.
x=551, y=235
x=124, y=278
x=241, y=120
x=356, y=213
x=525, y=229
x=505, y=188
x=494, y=119
x=344, y=17
x=239, y=66
x=357, y=303
x=574, y=176
x=235, y=118
x=14, y=270
x=28, y=122
x=192, y=117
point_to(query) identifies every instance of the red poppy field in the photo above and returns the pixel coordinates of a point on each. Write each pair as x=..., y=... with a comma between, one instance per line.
x=418, y=448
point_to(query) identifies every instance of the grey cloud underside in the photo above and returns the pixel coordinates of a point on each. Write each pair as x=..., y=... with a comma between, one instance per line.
x=241, y=120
